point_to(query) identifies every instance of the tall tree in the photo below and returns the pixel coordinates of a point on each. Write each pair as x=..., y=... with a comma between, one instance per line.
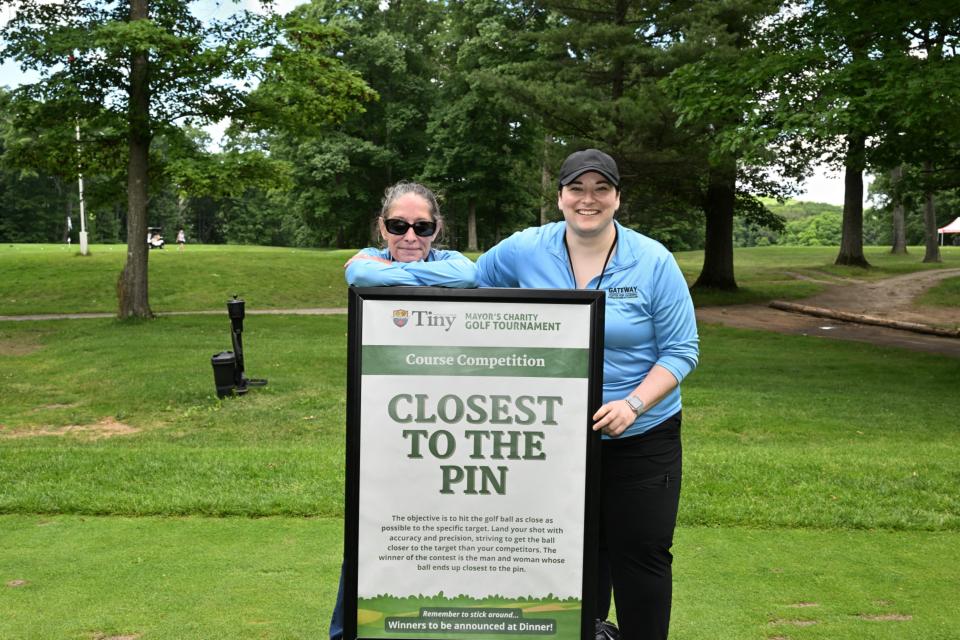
x=484, y=150
x=34, y=202
x=340, y=173
x=862, y=83
x=921, y=105
x=899, y=229
x=711, y=94
x=594, y=83
x=136, y=69
x=911, y=191
x=823, y=64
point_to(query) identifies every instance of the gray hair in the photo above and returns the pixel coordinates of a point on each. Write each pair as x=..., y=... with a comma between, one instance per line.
x=395, y=192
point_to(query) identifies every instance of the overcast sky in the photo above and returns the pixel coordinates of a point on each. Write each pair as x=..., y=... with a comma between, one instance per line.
x=825, y=186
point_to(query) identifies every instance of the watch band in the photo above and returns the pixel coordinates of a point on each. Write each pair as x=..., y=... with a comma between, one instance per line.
x=635, y=403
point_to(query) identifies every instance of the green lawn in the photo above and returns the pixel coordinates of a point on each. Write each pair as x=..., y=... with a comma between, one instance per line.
x=769, y=440
x=734, y=583
x=767, y=273
x=821, y=491
x=178, y=578
x=944, y=294
x=51, y=278
x=238, y=578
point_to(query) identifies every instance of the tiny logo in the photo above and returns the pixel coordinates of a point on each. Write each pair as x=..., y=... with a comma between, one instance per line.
x=401, y=317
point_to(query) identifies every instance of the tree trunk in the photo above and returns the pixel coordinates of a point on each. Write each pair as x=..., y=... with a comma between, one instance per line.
x=619, y=74
x=472, y=226
x=120, y=223
x=717, y=272
x=546, y=184
x=899, y=225
x=66, y=223
x=846, y=316
x=182, y=202
x=851, y=240
x=132, y=285
x=932, y=253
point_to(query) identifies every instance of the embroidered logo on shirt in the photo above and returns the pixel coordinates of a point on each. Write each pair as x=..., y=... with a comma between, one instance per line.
x=620, y=293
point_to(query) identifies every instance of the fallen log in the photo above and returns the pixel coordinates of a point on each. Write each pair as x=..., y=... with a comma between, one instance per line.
x=864, y=319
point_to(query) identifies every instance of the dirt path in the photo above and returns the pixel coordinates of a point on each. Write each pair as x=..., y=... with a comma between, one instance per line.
x=891, y=298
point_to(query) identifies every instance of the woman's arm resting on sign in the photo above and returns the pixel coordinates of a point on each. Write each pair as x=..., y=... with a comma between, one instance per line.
x=453, y=270
x=364, y=256
x=448, y=269
x=368, y=271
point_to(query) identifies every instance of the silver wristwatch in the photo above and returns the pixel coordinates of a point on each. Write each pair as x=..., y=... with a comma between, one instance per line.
x=635, y=403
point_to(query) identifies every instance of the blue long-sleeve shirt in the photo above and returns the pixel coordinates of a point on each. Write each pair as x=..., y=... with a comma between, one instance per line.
x=649, y=314
x=440, y=269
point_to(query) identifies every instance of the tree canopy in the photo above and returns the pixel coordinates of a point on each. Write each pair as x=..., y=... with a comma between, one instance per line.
x=127, y=72
x=711, y=108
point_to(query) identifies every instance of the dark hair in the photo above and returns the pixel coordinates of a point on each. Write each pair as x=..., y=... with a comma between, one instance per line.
x=395, y=192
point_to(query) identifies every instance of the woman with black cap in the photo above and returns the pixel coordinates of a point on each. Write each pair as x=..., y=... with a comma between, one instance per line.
x=650, y=345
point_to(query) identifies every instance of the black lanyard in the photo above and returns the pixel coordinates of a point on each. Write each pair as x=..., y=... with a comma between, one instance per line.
x=605, y=262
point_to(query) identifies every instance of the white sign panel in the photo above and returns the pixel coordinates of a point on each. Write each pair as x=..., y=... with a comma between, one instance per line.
x=473, y=442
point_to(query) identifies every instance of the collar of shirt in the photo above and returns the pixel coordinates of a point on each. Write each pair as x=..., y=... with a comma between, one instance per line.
x=623, y=258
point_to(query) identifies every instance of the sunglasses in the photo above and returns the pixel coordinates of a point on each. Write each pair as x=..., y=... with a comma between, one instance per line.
x=423, y=228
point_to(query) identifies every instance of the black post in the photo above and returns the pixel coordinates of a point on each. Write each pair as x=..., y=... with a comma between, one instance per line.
x=235, y=308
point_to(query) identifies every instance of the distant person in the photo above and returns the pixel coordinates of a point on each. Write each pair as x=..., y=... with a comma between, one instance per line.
x=409, y=222
x=181, y=240
x=156, y=241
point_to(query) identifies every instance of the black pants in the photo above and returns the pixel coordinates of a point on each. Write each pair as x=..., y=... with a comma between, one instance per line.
x=641, y=492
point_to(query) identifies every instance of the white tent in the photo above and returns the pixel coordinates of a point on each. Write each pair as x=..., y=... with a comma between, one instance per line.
x=953, y=227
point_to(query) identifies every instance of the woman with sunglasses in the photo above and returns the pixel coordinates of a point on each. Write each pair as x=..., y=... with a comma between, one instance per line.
x=650, y=345
x=409, y=222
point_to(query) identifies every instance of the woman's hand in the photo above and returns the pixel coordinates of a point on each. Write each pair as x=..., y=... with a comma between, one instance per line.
x=613, y=418
x=365, y=256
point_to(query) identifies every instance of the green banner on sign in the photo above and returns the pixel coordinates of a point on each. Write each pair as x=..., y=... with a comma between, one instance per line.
x=475, y=361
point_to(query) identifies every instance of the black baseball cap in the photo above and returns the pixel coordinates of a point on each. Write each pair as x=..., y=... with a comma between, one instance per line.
x=579, y=162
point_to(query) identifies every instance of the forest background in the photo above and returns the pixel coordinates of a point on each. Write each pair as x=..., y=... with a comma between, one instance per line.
x=712, y=108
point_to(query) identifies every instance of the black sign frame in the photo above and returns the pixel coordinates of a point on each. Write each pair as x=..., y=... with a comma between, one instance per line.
x=357, y=296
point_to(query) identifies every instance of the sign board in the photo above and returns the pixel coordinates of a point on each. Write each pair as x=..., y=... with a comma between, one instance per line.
x=471, y=463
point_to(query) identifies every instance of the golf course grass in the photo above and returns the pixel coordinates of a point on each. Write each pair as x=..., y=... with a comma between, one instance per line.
x=821, y=488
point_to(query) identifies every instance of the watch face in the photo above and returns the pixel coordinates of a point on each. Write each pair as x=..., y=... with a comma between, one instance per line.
x=635, y=403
